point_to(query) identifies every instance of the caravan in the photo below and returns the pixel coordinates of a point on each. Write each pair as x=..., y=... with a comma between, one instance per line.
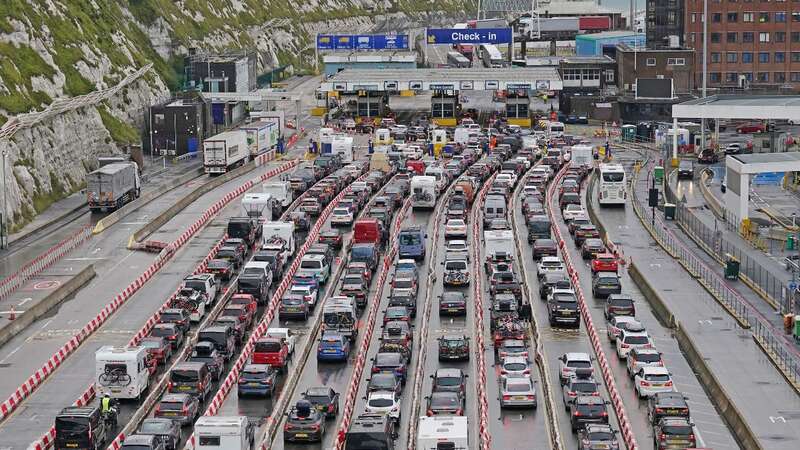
x=443, y=432
x=343, y=146
x=441, y=176
x=121, y=372
x=258, y=206
x=223, y=433
x=423, y=192
x=278, y=236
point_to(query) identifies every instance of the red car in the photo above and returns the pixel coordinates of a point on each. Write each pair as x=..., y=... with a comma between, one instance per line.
x=751, y=128
x=240, y=311
x=247, y=300
x=272, y=351
x=359, y=268
x=158, y=348
x=605, y=262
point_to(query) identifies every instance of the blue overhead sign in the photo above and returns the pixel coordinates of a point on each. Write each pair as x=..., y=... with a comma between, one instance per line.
x=362, y=41
x=468, y=36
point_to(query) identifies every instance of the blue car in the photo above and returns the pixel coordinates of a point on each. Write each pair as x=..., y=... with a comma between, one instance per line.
x=257, y=380
x=333, y=347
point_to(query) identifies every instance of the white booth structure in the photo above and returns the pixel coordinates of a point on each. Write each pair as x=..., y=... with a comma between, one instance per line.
x=739, y=170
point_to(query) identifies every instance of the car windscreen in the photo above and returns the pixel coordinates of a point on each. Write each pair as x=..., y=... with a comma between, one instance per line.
x=410, y=239
x=183, y=376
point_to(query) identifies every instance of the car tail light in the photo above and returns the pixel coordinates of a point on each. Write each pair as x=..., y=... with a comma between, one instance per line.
x=530, y=397
x=506, y=397
x=185, y=410
x=266, y=382
x=625, y=346
x=157, y=411
x=662, y=437
x=668, y=383
x=169, y=385
x=288, y=426
x=330, y=408
x=429, y=413
x=576, y=413
x=604, y=414
x=644, y=383
x=375, y=370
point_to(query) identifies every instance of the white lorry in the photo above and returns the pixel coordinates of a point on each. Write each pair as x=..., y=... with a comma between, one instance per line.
x=498, y=241
x=581, y=157
x=258, y=205
x=224, y=433
x=343, y=146
x=440, y=432
x=225, y=151
x=278, y=236
x=281, y=191
x=423, y=192
x=262, y=136
x=121, y=372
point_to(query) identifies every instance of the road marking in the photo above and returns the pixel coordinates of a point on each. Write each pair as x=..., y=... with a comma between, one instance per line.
x=45, y=285
x=88, y=258
x=776, y=419
x=10, y=354
x=133, y=223
x=96, y=251
x=24, y=300
x=46, y=324
x=707, y=322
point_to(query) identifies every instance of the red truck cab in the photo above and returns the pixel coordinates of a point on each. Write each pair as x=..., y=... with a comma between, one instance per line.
x=272, y=351
x=367, y=231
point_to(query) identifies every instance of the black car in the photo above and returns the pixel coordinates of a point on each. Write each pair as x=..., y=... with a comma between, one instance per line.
x=395, y=363
x=304, y=423
x=453, y=347
x=166, y=430
x=207, y=353
x=505, y=283
x=452, y=303
x=605, y=284
x=331, y=237
x=255, y=281
x=552, y=281
x=544, y=247
x=324, y=399
x=178, y=316
x=708, y=156
x=591, y=248
x=170, y=332
x=685, y=169
x=562, y=309
x=596, y=435
x=445, y=403
x=222, y=268
x=385, y=382
x=587, y=409
x=404, y=297
x=667, y=404
x=232, y=253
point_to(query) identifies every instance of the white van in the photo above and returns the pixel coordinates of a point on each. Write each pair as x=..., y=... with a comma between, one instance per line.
x=440, y=432
x=555, y=129
x=257, y=205
x=223, y=433
x=121, y=372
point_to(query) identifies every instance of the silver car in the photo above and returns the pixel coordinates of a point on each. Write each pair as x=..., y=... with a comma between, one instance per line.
x=517, y=393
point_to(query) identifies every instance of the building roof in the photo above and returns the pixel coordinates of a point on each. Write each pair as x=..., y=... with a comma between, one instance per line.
x=746, y=107
x=754, y=158
x=609, y=35
x=576, y=8
x=603, y=59
x=371, y=56
x=626, y=47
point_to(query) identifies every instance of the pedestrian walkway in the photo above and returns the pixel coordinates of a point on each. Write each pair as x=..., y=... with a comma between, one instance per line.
x=758, y=390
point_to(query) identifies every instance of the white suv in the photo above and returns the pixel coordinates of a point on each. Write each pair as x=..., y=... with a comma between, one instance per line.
x=630, y=338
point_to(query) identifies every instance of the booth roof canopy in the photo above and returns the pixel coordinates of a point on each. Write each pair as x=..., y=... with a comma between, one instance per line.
x=517, y=74
x=746, y=107
x=778, y=158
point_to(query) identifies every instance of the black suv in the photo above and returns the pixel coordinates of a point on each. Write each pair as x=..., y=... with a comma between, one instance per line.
x=562, y=309
x=454, y=347
x=255, y=281
x=667, y=404
x=553, y=281
x=587, y=409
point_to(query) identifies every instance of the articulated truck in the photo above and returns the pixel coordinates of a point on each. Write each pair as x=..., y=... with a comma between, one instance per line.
x=112, y=186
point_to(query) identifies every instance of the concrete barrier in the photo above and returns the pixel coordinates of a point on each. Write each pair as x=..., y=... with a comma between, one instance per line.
x=187, y=200
x=711, y=199
x=716, y=392
x=53, y=299
x=146, y=198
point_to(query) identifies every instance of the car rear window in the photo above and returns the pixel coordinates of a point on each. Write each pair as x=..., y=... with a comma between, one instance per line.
x=622, y=302
x=455, y=265
x=171, y=406
x=648, y=357
x=518, y=387
x=310, y=264
x=677, y=429
x=267, y=347
x=656, y=377
x=636, y=340
x=183, y=376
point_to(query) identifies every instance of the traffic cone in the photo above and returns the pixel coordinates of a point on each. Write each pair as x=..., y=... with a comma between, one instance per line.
x=12, y=315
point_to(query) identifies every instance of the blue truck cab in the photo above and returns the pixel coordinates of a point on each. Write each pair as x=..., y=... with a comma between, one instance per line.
x=412, y=243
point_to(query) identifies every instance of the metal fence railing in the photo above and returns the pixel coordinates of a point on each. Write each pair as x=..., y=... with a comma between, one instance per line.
x=781, y=348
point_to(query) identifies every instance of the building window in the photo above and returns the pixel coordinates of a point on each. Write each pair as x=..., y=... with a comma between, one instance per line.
x=796, y=17
x=730, y=77
x=715, y=38
x=676, y=61
x=795, y=57
x=763, y=57
x=763, y=17
x=763, y=37
x=780, y=36
x=694, y=18
x=780, y=17
x=748, y=76
x=716, y=17
x=715, y=57
x=651, y=62
x=763, y=77
x=691, y=37
x=780, y=57
x=609, y=75
x=779, y=77
x=731, y=37
x=733, y=17
x=795, y=36
x=747, y=17
x=747, y=37
x=794, y=77
x=747, y=57
x=732, y=57
x=714, y=77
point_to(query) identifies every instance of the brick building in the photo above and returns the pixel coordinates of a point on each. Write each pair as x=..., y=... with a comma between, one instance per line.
x=751, y=43
x=664, y=19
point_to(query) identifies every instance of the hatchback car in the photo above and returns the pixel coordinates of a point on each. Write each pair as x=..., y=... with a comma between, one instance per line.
x=394, y=363
x=384, y=382
x=517, y=392
x=257, y=379
x=182, y=408
x=581, y=383
x=455, y=228
x=685, y=169
x=324, y=400
x=596, y=436
x=158, y=348
x=569, y=363
x=619, y=305
x=616, y=324
x=453, y=347
x=169, y=331
x=515, y=366
x=400, y=313
x=673, y=432
x=591, y=248
x=605, y=262
x=605, y=284
x=333, y=346
x=643, y=357
x=452, y=303
x=445, y=403
x=166, y=430
x=667, y=404
x=449, y=380
x=513, y=347
x=294, y=307
x=650, y=380
x=304, y=423
x=384, y=403
x=544, y=247
x=586, y=409
x=632, y=337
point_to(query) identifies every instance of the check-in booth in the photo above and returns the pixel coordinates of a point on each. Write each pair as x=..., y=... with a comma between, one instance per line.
x=445, y=107
x=370, y=104
x=518, y=105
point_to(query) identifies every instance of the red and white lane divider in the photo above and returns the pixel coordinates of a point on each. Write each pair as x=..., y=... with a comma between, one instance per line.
x=35, y=380
x=608, y=376
x=12, y=282
x=480, y=344
x=272, y=307
x=361, y=359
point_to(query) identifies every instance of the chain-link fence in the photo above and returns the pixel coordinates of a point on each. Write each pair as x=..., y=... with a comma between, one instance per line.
x=781, y=348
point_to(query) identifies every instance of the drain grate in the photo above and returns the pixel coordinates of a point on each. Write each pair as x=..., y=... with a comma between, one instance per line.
x=4, y=365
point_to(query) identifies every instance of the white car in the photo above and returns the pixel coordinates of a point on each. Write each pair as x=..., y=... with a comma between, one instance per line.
x=457, y=248
x=644, y=357
x=649, y=381
x=618, y=323
x=455, y=228
x=342, y=216
x=630, y=338
x=525, y=161
x=572, y=211
x=549, y=264
x=283, y=333
x=384, y=403
x=406, y=264
x=307, y=291
x=413, y=152
x=508, y=174
x=515, y=366
x=568, y=363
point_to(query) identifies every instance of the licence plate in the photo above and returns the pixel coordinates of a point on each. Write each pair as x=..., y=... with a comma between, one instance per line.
x=71, y=445
x=566, y=313
x=452, y=309
x=170, y=414
x=253, y=384
x=519, y=397
x=301, y=435
x=184, y=388
x=329, y=351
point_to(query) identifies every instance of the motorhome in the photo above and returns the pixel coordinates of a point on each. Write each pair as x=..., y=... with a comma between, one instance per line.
x=423, y=192
x=121, y=372
x=340, y=314
x=443, y=432
x=278, y=236
x=343, y=146
x=581, y=156
x=438, y=172
x=257, y=205
x=555, y=129
x=281, y=191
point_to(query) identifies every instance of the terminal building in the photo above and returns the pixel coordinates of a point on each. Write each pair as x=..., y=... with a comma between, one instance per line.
x=358, y=60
